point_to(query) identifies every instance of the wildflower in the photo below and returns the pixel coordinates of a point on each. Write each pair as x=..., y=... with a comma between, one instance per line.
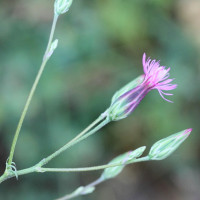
x=155, y=77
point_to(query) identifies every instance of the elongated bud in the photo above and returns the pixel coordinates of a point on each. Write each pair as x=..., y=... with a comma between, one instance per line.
x=163, y=148
x=52, y=48
x=125, y=99
x=62, y=6
x=122, y=159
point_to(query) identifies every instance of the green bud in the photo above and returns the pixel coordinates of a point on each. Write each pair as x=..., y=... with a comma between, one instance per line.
x=122, y=159
x=54, y=45
x=122, y=106
x=114, y=171
x=163, y=148
x=52, y=48
x=62, y=6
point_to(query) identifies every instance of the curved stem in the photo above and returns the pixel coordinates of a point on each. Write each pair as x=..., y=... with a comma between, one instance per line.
x=73, y=142
x=41, y=169
x=45, y=59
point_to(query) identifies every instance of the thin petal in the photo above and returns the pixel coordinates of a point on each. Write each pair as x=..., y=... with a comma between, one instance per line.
x=164, y=97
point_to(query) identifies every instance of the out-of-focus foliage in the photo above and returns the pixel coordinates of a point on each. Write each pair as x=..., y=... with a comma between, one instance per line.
x=101, y=44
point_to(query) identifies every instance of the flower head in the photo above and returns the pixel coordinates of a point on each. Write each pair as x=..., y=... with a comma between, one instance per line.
x=127, y=99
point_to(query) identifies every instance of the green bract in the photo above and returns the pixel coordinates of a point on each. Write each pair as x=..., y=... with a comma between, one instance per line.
x=118, y=106
x=62, y=6
x=134, y=83
x=163, y=148
x=136, y=153
x=114, y=171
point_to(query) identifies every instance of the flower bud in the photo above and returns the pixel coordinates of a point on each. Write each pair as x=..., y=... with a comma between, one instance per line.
x=114, y=171
x=122, y=159
x=52, y=48
x=163, y=148
x=62, y=6
x=122, y=98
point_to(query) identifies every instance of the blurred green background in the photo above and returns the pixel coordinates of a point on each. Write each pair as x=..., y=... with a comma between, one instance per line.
x=101, y=43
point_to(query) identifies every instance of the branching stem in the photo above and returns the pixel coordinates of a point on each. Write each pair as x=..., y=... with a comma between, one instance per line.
x=74, y=141
x=45, y=59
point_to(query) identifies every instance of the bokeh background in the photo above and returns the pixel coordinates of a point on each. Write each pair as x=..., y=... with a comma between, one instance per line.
x=101, y=43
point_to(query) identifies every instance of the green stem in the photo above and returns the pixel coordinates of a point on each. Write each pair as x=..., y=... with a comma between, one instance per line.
x=38, y=168
x=10, y=174
x=41, y=169
x=45, y=59
x=101, y=117
x=73, y=142
x=52, y=33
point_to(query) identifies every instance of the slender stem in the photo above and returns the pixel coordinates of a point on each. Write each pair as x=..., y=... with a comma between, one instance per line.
x=37, y=168
x=98, y=181
x=75, y=193
x=78, y=169
x=70, y=144
x=52, y=33
x=101, y=117
x=32, y=91
x=41, y=169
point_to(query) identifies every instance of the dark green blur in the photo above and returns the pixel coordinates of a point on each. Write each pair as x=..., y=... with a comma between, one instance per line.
x=100, y=49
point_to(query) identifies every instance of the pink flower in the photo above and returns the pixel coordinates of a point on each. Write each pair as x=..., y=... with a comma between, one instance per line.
x=127, y=99
x=156, y=77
